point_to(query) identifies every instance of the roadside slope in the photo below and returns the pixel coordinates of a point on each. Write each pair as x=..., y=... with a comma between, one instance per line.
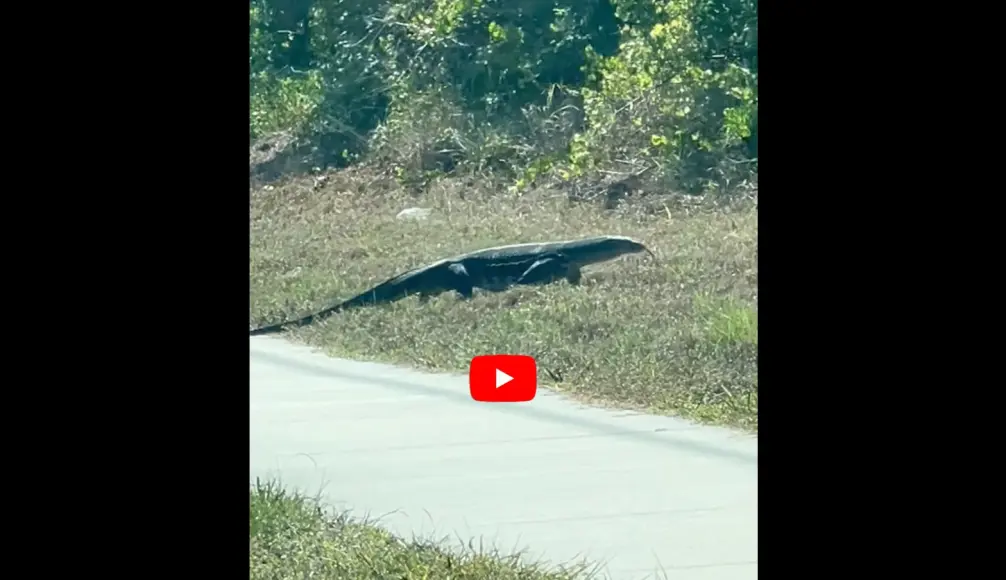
x=678, y=335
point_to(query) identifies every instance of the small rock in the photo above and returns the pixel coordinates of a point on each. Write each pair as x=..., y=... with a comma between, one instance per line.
x=413, y=213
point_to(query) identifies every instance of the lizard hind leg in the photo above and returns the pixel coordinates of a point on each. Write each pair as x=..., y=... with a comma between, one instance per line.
x=573, y=275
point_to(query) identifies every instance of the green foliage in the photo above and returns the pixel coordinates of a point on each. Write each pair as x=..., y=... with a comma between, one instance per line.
x=500, y=55
x=281, y=98
x=496, y=65
x=343, y=49
x=280, y=102
x=518, y=89
x=680, y=94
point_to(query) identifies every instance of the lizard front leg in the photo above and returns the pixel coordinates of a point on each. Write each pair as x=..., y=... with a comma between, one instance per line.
x=460, y=281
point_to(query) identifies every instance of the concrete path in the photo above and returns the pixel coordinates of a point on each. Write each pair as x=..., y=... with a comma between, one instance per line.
x=634, y=493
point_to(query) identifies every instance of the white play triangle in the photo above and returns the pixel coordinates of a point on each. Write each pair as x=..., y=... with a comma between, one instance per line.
x=502, y=378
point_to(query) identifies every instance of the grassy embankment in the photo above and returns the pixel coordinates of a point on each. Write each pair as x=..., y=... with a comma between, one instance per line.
x=676, y=336
x=291, y=536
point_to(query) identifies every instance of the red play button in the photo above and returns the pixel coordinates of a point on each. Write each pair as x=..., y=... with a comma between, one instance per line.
x=503, y=378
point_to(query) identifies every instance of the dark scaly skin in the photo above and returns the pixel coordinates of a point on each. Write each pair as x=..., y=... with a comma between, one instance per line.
x=433, y=279
x=493, y=269
x=462, y=277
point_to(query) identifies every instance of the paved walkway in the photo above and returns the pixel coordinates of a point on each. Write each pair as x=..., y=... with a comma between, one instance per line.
x=634, y=493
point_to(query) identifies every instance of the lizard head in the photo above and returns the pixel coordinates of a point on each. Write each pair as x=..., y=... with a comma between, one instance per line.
x=610, y=247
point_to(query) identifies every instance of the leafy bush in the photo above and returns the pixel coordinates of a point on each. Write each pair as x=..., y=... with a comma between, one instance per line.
x=281, y=98
x=517, y=89
x=681, y=94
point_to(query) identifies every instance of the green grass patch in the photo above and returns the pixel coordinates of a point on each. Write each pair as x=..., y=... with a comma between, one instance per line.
x=293, y=536
x=678, y=335
x=726, y=320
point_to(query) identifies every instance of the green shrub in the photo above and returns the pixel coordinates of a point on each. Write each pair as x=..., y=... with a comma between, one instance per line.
x=517, y=89
x=681, y=94
x=281, y=98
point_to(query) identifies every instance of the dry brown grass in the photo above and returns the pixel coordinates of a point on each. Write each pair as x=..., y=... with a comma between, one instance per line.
x=677, y=336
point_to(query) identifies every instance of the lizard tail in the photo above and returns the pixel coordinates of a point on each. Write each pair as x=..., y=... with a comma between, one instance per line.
x=271, y=329
x=280, y=327
x=310, y=318
x=373, y=296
